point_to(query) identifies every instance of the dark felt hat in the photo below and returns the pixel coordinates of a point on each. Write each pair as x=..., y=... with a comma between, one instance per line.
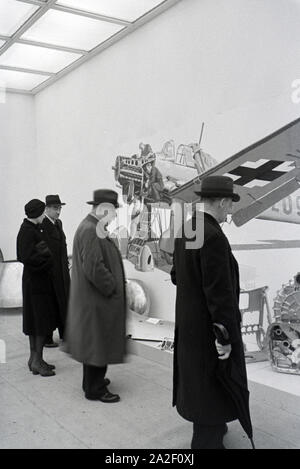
x=53, y=200
x=217, y=186
x=107, y=196
x=34, y=208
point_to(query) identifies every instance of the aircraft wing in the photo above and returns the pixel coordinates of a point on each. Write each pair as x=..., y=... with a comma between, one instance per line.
x=263, y=173
x=267, y=244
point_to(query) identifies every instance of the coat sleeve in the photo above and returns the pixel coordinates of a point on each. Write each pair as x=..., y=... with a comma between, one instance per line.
x=94, y=266
x=35, y=256
x=173, y=271
x=218, y=285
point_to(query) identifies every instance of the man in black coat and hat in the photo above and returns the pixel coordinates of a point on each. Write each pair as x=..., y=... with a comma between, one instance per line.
x=207, y=278
x=55, y=238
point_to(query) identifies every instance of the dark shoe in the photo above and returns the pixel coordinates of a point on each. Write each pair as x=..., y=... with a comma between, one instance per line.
x=41, y=370
x=47, y=365
x=107, y=397
x=51, y=345
x=30, y=363
x=51, y=367
x=106, y=383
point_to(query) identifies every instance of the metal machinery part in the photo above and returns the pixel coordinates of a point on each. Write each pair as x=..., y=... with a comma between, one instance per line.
x=257, y=302
x=284, y=334
x=130, y=175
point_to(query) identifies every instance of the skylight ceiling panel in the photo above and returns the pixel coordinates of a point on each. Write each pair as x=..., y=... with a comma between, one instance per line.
x=128, y=10
x=13, y=14
x=37, y=58
x=70, y=30
x=20, y=80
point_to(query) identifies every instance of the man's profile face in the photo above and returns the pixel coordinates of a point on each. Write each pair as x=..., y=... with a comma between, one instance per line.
x=53, y=211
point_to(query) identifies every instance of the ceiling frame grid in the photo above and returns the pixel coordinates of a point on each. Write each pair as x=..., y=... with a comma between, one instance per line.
x=72, y=57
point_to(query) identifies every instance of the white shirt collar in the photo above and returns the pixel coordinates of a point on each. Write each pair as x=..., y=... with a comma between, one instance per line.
x=52, y=221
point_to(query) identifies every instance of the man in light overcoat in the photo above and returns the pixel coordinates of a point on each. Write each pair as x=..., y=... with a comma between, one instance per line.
x=96, y=318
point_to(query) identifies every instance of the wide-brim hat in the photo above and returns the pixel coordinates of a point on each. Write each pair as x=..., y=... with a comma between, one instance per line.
x=53, y=200
x=102, y=196
x=217, y=186
x=34, y=208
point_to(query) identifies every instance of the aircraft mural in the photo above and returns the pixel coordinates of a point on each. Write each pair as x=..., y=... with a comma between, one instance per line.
x=154, y=183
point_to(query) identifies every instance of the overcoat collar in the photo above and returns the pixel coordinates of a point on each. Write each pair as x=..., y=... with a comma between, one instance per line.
x=100, y=227
x=211, y=219
x=52, y=228
x=31, y=224
x=207, y=218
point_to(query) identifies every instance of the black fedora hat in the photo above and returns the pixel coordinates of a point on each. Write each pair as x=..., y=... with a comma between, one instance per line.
x=107, y=196
x=217, y=186
x=53, y=200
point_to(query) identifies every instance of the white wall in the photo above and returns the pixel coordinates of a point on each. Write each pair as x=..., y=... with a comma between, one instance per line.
x=17, y=166
x=227, y=63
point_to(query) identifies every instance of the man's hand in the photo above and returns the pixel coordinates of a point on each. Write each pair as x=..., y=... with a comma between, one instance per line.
x=223, y=350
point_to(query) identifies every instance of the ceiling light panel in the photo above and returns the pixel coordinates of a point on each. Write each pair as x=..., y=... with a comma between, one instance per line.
x=37, y=58
x=20, y=80
x=128, y=10
x=70, y=30
x=13, y=14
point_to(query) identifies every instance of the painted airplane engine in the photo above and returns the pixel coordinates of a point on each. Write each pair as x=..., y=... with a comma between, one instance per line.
x=130, y=175
x=283, y=335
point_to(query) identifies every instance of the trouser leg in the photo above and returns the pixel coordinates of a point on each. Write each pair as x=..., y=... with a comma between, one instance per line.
x=49, y=339
x=208, y=436
x=93, y=380
x=61, y=331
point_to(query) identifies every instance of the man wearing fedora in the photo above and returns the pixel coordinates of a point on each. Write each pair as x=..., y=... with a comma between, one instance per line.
x=55, y=238
x=207, y=279
x=96, y=319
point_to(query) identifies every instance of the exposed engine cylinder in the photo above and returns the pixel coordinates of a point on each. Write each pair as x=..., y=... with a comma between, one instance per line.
x=284, y=334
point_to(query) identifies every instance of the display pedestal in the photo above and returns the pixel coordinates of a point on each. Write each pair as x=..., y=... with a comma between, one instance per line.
x=154, y=331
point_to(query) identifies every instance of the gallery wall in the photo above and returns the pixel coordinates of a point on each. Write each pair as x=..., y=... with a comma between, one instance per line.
x=229, y=64
x=225, y=63
x=18, y=182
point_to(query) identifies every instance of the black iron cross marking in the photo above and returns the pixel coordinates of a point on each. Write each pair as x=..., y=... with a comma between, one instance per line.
x=263, y=173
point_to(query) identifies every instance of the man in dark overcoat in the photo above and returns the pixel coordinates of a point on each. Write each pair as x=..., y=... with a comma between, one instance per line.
x=207, y=278
x=55, y=238
x=96, y=318
x=39, y=300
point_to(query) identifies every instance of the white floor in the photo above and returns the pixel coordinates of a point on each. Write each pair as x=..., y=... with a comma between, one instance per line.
x=37, y=412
